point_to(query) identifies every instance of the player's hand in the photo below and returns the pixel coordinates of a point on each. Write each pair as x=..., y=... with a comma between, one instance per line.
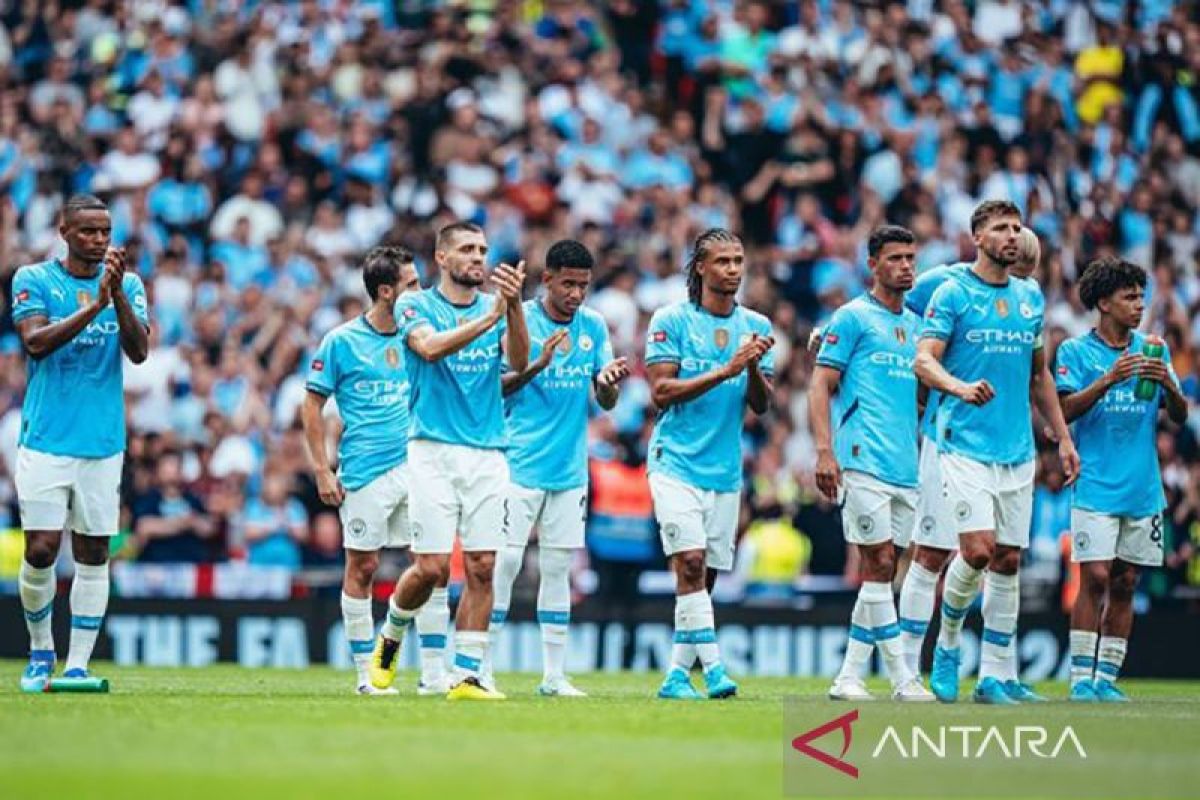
x=1069, y=458
x=112, y=276
x=509, y=281
x=614, y=372
x=1155, y=369
x=1123, y=368
x=330, y=489
x=762, y=345
x=741, y=358
x=977, y=393
x=829, y=475
x=548, y=348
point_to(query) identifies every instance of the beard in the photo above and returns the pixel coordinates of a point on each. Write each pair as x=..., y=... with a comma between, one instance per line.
x=1000, y=258
x=463, y=277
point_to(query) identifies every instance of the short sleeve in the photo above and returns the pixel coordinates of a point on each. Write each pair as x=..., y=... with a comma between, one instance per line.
x=322, y=370
x=838, y=340
x=942, y=312
x=662, y=340
x=603, y=348
x=135, y=290
x=29, y=297
x=410, y=314
x=1039, y=317
x=1068, y=377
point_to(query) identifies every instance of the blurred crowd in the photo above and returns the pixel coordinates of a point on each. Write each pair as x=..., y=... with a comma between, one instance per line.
x=252, y=151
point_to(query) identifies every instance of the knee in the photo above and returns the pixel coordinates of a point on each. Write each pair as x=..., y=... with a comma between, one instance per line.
x=1005, y=561
x=879, y=563
x=361, y=568
x=480, y=567
x=977, y=551
x=90, y=550
x=691, y=566
x=1093, y=579
x=1121, y=584
x=931, y=558
x=433, y=570
x=41, y=550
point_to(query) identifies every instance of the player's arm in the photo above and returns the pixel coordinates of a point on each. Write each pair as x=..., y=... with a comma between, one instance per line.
x=134, y=332
x=824, y=384
x=513, y=381
x=930, y=371
x=431, y=345
x=758, y=386
x=1175, y=403
x=312, y=417
x=1042, y=385
x=608, y=382
x=516, y=334
x=40, y=337
x=668, y=389
x=1077, y=403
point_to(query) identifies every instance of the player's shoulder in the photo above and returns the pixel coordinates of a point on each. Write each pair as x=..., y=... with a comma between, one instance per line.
x=1029, y=287
x=37, y=271
x=592, y=319
x=755, y=319
x=671, y=313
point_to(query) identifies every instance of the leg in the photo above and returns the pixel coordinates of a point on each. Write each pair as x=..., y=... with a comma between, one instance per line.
x=878, y=566
x=689, y=570
x=433, y=628
x=411, y=593
x=522, y=510
x=1001, y=605
x=357, y=620
x=1115, y=624
x=1085, y=621
x=554, y=611
x=474, y=610
x=89, y=599
x=963, y=578
x=37, y=589
x=917, y=595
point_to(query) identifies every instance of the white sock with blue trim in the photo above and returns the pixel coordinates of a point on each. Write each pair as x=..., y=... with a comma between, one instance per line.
x=360, y=633
x=554, y=608
x=702, y=621
x=433, y=626
x=861, y=641
x=1001, y=601
x=881, y=611
x=37, y=588
x=397, y=621
x=961, y=589
x=1110, y=657
x=89, y=600
x=509, y=560
x=1083, y=655
x=683, y=651
x=917, y=595
x=470, y=648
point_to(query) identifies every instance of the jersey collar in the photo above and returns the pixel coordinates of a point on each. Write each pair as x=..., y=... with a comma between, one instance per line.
x=541, y=307
x=367, y=324
x=1093, y=333
x=438, y=293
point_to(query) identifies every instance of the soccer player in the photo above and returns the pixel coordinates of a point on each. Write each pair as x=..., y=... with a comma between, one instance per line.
x=707, y=358
x=455, y=340
x=981, y=348
x=547, y=410
x=75, y=317
x=1117, y=505
x=360, y=366
x=934, y=537
x=865, y=366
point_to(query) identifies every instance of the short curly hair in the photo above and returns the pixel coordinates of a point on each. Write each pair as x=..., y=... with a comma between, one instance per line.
x=568, y=254
x=1106, y=276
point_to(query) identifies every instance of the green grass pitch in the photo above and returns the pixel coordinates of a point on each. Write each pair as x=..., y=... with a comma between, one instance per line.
x=228, y=733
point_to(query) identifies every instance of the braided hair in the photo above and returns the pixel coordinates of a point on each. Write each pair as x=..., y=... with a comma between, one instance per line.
x=700, y=251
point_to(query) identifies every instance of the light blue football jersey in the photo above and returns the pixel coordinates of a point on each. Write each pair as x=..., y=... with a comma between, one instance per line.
x=457, y=399
x=1117, y=437
x=74, y=402
x=547, y=418
x=700, y=441
x=991, y=333
x=917, y=298
x=874, y=413
x=364, y=371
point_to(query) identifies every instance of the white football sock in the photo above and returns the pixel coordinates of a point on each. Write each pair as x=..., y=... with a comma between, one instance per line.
x=917, y=595
x=881, y=610
x=433, y=626
x=508, y=565
x=89, y=600
x=861, y=641
x=554, y=608
x=702, y=622
x=1083, y=655
x=1001, y=600
x=1110, y=657
x=683, y=651
x=360, y=632
x=961, y=588
x=37, y=588
x=470, y=649
x=397, y=620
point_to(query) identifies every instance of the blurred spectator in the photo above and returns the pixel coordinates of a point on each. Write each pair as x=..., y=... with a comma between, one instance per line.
x=170, y=522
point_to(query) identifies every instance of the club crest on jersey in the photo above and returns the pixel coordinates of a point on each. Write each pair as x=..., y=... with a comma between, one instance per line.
x=83, y=298
x=721, y=338
x=1002, y=307
x=392, y=355
x=585, y=343
x=1026, y=310
x=564, y=346
x=901, y=335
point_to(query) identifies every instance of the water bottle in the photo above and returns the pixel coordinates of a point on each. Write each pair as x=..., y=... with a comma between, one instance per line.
x=1153, y=347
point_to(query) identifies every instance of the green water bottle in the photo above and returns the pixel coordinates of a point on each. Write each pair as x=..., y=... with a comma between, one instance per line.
x=1153, y=347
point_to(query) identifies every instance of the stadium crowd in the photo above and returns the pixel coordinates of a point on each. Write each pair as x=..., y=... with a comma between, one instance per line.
x=250, y=152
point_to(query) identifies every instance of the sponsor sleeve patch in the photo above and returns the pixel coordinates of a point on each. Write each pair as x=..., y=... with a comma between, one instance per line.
x=318, y=365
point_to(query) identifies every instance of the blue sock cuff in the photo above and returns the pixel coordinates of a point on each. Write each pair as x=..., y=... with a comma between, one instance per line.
x=914, y=626
x=885, y=632
x=554, y=617
x=41, y=613
x=1083, y=662
x=861, y=634
x=704, y=636
x=1108, y=668
x=499, y=615
x=433, y=641
x=466, y=662
x=361, y=646
x=86, y=623
x=998, y=638
x=952, y=612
